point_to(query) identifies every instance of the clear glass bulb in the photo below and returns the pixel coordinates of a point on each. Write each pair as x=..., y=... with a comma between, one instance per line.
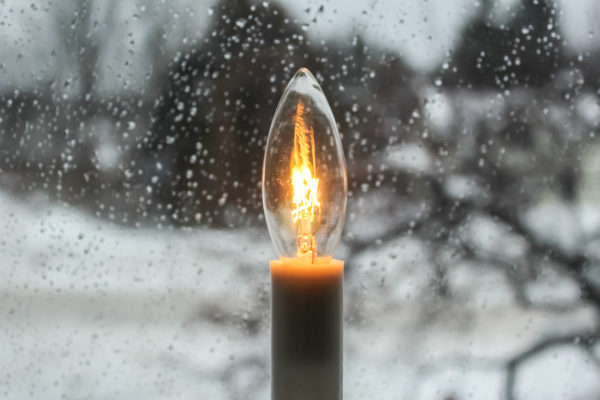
x=304, y=173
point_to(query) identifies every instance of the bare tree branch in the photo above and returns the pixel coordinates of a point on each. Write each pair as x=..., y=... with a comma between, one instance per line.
x=585, y=339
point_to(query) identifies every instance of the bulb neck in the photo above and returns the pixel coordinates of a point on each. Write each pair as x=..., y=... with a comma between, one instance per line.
x=306, y=241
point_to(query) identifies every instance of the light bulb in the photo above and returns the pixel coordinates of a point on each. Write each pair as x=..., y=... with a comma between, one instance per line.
x=304, y=173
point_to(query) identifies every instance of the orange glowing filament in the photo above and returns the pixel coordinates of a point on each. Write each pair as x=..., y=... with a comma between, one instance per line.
x=306, y=207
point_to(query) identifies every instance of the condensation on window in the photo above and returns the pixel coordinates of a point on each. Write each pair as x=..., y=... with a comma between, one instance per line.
x=133, y=247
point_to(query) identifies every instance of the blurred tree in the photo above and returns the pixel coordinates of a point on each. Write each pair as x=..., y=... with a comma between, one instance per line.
x=215, y=110
x=525, y=51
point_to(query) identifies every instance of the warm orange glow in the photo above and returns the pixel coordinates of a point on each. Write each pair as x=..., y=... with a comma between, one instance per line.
x=306, y=207
x=298, y=267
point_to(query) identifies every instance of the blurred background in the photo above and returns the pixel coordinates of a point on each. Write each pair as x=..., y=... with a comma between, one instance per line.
x=133, y=248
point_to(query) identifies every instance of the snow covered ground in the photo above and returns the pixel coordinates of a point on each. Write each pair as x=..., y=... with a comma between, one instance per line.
x=92, y=310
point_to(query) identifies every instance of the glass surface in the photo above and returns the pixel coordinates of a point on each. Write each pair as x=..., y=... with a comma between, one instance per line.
x=134, y=252
x=304, y=134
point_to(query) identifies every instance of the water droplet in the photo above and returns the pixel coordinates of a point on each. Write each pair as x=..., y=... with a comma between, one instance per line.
x=241, y=22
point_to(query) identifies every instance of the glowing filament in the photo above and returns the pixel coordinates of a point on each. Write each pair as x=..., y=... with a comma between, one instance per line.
x=305, y=194
x=305, y=201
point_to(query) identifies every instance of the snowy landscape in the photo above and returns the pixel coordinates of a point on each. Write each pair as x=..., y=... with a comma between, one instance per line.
x=92, y=310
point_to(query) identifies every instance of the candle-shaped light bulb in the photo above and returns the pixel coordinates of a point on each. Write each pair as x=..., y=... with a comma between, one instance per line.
x=304, y=173
x=304, y=197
